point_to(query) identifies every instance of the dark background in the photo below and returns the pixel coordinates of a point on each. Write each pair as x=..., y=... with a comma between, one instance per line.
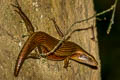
x=109, y=44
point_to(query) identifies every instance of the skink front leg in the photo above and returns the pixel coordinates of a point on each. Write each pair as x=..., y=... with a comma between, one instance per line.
x=60, y=33
x=66, y=62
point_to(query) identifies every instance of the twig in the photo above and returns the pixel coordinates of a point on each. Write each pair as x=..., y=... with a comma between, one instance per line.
x=112, y=19
x=69, y=29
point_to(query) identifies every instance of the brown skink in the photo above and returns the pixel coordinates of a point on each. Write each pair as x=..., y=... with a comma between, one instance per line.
x=67, y=51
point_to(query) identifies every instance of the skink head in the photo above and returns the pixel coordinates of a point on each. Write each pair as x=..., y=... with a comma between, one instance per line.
x=84, y=58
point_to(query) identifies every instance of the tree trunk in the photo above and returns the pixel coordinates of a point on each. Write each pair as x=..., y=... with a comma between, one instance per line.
x=65, y=12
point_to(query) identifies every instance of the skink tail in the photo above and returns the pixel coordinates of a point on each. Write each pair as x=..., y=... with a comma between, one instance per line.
x=27, y=48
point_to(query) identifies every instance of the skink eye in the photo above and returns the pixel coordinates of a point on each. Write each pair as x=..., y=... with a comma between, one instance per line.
x=85, y=57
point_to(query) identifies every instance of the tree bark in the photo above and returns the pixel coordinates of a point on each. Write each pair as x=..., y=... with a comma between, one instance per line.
x=65, y=12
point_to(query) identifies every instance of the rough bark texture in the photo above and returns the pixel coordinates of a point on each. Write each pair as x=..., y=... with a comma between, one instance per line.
x=65, y=12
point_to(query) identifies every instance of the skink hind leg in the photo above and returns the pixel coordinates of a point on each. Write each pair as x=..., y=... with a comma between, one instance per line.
x=28, y=23
x=35, y=55
x=29, y=26
x=30, y=30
